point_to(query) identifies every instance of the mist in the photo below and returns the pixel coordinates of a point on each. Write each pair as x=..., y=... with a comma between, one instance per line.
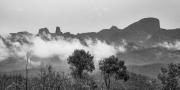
x=171, y=46
x=60, y=47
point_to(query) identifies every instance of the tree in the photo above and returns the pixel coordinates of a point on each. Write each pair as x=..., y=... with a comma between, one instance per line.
x=169, y=77
x=113, y=67
x=28, y=55
x=81, y=61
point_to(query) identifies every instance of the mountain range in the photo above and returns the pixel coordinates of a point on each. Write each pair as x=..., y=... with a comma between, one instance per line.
x=144, y=41
x=145, y=32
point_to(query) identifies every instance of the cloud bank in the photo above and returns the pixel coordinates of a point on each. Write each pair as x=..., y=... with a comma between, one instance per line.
x=171, y=46
x=61, y=47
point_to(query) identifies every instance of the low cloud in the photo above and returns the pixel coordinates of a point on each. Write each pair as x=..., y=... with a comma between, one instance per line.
x=3, y=51
x=64, y=48
x=171, y=46
x=61, y=47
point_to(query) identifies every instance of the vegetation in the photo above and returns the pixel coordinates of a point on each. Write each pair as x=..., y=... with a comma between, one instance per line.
x=169, y=77
x=47, y=80
x=112, y=75
x=113, y=67
x=81, y=61
x=52, y=80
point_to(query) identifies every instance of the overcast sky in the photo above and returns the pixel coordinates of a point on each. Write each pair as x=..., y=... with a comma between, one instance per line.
x=84, y=15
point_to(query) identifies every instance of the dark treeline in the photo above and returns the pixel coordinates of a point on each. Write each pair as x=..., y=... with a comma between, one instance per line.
x=112, y=75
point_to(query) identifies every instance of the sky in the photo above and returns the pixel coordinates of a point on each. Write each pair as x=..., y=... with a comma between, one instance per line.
x=78, y=16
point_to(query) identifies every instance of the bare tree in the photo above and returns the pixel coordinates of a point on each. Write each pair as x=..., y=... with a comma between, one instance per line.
x=28, y=54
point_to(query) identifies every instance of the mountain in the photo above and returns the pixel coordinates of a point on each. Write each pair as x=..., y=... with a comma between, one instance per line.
x=145, y=32
x=141, y=40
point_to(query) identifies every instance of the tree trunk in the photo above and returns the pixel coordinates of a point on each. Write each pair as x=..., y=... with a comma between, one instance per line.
x=107, y=81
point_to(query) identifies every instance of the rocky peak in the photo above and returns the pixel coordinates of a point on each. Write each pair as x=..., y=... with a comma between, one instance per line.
x=43, y=31
x=146, y=24
x=44, y=34
x=114, y=28
x=151, y=22
x=58, y=31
